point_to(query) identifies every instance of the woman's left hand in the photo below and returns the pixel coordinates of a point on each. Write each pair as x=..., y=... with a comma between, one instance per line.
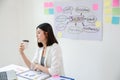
x=36, y=67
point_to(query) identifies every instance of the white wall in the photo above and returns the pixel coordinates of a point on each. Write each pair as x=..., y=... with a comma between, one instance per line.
x=16, y=22
x=83, y=59
x=9, y=32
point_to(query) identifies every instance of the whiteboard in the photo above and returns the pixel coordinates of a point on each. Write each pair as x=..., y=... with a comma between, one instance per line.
x=79, y=20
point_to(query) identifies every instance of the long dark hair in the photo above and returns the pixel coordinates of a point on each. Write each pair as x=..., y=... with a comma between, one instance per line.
x=46, y=27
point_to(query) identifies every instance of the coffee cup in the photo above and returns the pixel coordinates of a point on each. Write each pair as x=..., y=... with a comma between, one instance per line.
x=25, y=43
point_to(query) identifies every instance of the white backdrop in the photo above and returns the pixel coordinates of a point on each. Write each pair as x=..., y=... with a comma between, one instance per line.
x=83, y=59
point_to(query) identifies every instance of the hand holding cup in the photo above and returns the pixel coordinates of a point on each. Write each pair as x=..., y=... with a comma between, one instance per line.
x=23, y=45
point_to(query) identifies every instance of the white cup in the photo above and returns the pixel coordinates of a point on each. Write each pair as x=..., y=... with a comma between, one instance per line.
x=25, y=43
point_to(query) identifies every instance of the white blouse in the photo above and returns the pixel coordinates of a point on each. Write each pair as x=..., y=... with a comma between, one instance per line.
x=53, y=59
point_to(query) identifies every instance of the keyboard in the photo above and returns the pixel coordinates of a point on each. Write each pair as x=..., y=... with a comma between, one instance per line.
x=3, y=76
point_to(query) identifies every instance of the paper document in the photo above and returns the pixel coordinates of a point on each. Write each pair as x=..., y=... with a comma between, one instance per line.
x=16, y=68
x=31, y=75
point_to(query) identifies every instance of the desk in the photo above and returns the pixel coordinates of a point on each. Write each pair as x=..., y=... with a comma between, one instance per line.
x=20, y=69
x=16, y=68
x=24, y=73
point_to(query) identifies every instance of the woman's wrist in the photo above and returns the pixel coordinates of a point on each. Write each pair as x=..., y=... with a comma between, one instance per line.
x=22, y=53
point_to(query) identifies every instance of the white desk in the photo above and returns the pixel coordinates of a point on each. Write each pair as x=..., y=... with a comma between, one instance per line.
x=16, y=68
x=20, y=69
x=24, y=73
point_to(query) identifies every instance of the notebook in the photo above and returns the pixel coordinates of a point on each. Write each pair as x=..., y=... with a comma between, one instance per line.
x=60, y=78
x=8, y=75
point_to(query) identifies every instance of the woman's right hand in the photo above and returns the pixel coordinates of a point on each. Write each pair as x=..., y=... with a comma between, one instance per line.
x=21, y=48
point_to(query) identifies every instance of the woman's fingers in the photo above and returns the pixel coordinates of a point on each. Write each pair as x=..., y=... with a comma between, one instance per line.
x=36, y=67
x=21, y=48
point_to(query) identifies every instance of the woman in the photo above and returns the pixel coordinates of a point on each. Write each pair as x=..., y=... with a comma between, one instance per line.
x=48, y=57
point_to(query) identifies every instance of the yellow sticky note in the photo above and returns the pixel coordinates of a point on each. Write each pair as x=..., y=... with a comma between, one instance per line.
x=59, y=34
x=107, y=3
x=108, y=19
x=108, y=11
x=98, y=24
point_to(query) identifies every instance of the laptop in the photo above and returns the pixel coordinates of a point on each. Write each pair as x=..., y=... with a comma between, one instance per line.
x=8, y=75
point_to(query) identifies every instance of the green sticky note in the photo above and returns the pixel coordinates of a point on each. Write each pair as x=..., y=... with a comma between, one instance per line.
x=116, y=11
x=46, y=11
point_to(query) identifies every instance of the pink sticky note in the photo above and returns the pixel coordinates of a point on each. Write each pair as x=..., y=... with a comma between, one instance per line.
x=46, y=4
x=56, y=76
x=50, y=4
x=115, y=3
x=95, y=6
x=59, y=9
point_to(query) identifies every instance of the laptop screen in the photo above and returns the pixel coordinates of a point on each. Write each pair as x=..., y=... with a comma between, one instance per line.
x=8, y=75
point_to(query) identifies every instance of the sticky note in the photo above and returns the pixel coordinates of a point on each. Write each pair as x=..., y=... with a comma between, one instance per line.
x=98, y=24
x=51, y=11
x=46, y=11
x=95, y=6
x=50, y=4
x=59, y=34
x=46, y=4
x=108, y=11
x=116, y=11
x=59, y=9
x=115, y=20
x=56, y=76
x=108, y=19
x=107, y=3
x=115, y=3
